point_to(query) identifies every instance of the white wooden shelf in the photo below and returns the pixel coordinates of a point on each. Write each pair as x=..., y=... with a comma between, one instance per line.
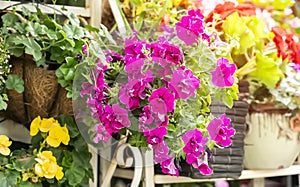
x=246, y=174
x=149, y=178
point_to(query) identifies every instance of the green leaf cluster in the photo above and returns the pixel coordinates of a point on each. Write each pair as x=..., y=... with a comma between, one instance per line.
x=47, y=39
x=17, y=169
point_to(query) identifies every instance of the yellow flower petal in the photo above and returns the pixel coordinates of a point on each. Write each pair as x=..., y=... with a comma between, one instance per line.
x=47, y=124
x=38, y=170
x=4, y=140
x=52, y=141
x=4, y=144
x=4, y=151
x=34, y=127
x=66, y=137
x=47, y=166
x=57, y=135
x=59, y=174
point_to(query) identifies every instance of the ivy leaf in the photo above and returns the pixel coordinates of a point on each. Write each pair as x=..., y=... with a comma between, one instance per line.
x=31, y=47
x=3, y=104
x=75, y=174
x=3, y=180
x=9, y=178
x=9, y=20
x=74, y=19
x=266, y=71
x=73, y=31
x=28, y=184
x=36, y=29
x=15, y=82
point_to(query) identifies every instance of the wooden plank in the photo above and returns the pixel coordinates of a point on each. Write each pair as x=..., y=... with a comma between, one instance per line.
x=96, y=12
x=82, y=11
x=258, y=182
x=246, y=174
x=94, y=162
x=148, y=169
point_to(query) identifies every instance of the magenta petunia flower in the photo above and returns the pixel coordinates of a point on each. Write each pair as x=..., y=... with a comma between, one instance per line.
x=172, y=53
x=101, y=134
x=145, y=118
x=184, y=83
x=222, y=76
x=134, y=70
x=220, y=130
x=194, y=142
x=190, y=27
x=199, y=163
x=112, y=56
x=114, y=118
x=204, y=169
x=87, y=89
x=161, y=152
x=131, y=93
x=134, y=51
x=155, y=136
x=85, y=49
x=162, y=101
x=168, y=167
x=121, y=115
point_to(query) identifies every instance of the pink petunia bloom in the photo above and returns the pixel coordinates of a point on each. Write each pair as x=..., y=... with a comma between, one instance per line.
x=131, y=93
x=199, y=163
x=194, y=142
x=101, y=134
x=135, y=69
x=114, y=118
x=87, y=89
x=190, y=27
x=164, y=53
x=155, y=136
x=85, y=49
x=162, y=101
x=220, y=130
x=222, y=76
x=204, y=169
x=134, y=51
x=184, y=83
x=161, y=152
x=145, y=118
x=112, y=56
x=168, y=167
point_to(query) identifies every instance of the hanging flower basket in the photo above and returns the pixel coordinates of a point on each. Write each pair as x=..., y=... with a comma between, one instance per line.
x=271, y=138
x=42, y=95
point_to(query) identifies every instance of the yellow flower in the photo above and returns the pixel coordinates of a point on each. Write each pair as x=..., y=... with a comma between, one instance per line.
x=4, y=144
x=34, y=127
x=59, y=174
x=47, y=166
x=47, y=124
x=58, y=135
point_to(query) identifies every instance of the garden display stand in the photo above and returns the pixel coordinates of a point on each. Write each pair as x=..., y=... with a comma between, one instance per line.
x=148, y=178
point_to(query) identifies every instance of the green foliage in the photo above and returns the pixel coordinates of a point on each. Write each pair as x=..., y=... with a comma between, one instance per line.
x=15, y=82
x=17, y=169
x=244, y=32
x=267, y=71
x=46, y=39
